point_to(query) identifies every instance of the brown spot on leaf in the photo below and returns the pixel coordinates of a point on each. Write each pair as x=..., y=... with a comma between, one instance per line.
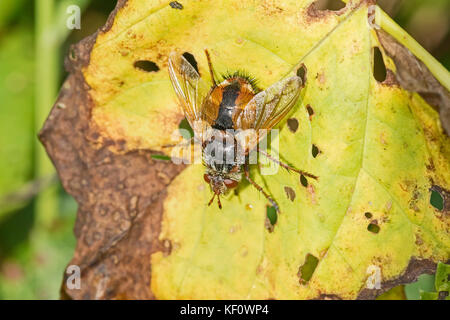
x=321, y=77
x=176, y=5
x=292, y=124
x=167, y=247
x=310, y=111
x=290, y=193
x=391, y=79
x=312, y=194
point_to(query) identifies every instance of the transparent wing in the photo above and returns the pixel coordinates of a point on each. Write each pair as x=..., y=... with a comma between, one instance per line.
x=189, y=87
x=270, y=106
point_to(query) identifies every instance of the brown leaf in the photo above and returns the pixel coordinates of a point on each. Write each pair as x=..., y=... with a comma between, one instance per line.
x=413, y=75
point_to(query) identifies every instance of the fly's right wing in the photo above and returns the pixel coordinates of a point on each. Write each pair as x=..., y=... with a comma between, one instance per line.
x=268, y=108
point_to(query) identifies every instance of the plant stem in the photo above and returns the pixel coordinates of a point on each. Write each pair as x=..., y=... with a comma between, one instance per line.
x=46, y=206
x=391, y=27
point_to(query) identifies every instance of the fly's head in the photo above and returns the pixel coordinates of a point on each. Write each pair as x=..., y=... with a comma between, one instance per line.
x=220, y=182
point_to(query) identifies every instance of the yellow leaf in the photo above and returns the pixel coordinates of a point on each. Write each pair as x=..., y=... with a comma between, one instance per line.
x=379, y=150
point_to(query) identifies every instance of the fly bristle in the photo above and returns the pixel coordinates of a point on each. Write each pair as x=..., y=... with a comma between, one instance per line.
x=244, y=75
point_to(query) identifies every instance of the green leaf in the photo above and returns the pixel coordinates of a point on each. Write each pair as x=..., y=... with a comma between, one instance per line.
x=425, y=283
x=8, y=10
x=428, y=295
x=442, y=280
x=16, y=113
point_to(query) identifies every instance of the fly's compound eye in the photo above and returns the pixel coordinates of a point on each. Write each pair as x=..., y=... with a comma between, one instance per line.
x=206, y=177
x=230, y=184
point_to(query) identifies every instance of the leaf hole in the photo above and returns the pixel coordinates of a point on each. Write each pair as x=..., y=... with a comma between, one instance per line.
x=185, y=129
x=303, y=181
x=271, y=218
x=379, y=68
x=301, y=73
x=373, y=227
x=146, y=65
x=72, y=54
x=310, y=111
x=290, y=193
x=437, y=200
x=315, y=151
x=191, y=59
x=368, y=215
x=176, y=5
x=292, y=124
x=331, y=5
x=306, y=271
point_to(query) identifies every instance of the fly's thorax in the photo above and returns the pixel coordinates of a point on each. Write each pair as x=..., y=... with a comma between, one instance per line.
x=222, y=152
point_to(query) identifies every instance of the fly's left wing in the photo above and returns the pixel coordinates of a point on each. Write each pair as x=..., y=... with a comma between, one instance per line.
x=269, y=107
x=189, y=87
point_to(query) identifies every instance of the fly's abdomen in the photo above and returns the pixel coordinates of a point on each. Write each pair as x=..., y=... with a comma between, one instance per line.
x=224, y=118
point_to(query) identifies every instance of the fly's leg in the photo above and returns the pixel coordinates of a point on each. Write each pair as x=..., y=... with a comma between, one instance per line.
x=259, y=188
x=288, y=167
x=211, y=70
x=182, y=145
x=185, y=152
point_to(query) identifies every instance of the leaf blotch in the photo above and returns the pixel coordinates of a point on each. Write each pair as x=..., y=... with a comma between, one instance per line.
x=176, y=5
x=292, y=124
x=167, y=247
x=290, y=193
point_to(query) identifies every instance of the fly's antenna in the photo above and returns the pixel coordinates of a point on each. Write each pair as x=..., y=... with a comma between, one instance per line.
x=218, y=202
x=212, y=199
x=211, y=71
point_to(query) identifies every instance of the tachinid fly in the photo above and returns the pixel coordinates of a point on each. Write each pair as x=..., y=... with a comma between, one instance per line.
x=230, y=119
